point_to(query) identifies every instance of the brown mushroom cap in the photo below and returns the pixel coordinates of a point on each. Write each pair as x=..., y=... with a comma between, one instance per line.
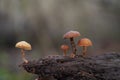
x=71, y=34
x=64, y=47
x=85, y=42
x=23, y=45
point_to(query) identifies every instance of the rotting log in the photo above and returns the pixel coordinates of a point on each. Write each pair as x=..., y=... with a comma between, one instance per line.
x=102, y=67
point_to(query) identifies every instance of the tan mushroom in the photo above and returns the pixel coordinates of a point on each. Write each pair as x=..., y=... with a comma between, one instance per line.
x=65, y=49
x=85, y=42
x=71, y=35
x=23, y=45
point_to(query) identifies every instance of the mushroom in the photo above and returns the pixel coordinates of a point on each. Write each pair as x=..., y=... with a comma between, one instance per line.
x=64, y=48
x=70, y=35
x=23, y=45
x=85, y=42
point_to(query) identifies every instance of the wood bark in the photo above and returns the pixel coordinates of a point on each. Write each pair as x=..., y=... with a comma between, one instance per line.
x=102, y=67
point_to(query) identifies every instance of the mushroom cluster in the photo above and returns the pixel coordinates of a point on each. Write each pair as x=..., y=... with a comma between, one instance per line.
x=84, y=42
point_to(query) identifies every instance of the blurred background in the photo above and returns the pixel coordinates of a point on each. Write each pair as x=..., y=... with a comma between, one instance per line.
x=43, y=24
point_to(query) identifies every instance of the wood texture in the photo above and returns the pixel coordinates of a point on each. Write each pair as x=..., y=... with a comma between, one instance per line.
x=102, y=67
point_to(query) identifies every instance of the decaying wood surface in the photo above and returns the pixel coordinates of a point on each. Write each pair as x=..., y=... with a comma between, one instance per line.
x=102, y=67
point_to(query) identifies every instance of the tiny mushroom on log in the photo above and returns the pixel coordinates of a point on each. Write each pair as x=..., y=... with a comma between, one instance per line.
x=85, y=42
x=70, y=35
x=64, y=48
x=23, y=45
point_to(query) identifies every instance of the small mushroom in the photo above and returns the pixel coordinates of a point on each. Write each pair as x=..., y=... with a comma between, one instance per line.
x=23, y=45
x=64, y=48
x=85, y=42
x=71, y=35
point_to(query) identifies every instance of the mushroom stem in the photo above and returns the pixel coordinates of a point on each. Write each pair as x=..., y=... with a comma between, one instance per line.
x=65, y=52
x=73, y=46
x=23, y=56
x=84, y=51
